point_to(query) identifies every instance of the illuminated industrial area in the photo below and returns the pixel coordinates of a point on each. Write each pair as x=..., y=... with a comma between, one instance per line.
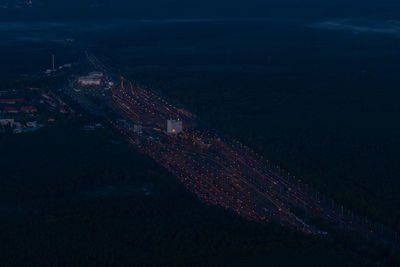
x=220, y=170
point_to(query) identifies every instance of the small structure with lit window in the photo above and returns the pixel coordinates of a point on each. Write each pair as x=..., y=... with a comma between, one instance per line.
x=137, y=128
x=174, y=126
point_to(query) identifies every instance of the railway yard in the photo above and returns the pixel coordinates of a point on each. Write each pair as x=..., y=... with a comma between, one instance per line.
x=220, y=170
x=224, y=172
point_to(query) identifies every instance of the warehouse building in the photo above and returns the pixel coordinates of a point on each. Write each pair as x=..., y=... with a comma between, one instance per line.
x=92, y=79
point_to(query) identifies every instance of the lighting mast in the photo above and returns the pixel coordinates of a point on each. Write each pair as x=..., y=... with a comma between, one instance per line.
x=122, y=83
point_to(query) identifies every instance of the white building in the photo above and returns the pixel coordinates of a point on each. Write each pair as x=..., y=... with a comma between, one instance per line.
x=4, y=122
x=174, y=126
x=89, y=81
x=31, y=124
x=93, y=79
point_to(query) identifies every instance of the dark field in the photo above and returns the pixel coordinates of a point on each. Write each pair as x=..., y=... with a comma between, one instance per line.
x=319, y=97
x=70, y=198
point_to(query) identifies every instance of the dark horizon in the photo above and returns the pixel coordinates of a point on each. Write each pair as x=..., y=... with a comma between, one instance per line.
x=51, y=10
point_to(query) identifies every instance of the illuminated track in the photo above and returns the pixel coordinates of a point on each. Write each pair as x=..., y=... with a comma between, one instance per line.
x=224, y=172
